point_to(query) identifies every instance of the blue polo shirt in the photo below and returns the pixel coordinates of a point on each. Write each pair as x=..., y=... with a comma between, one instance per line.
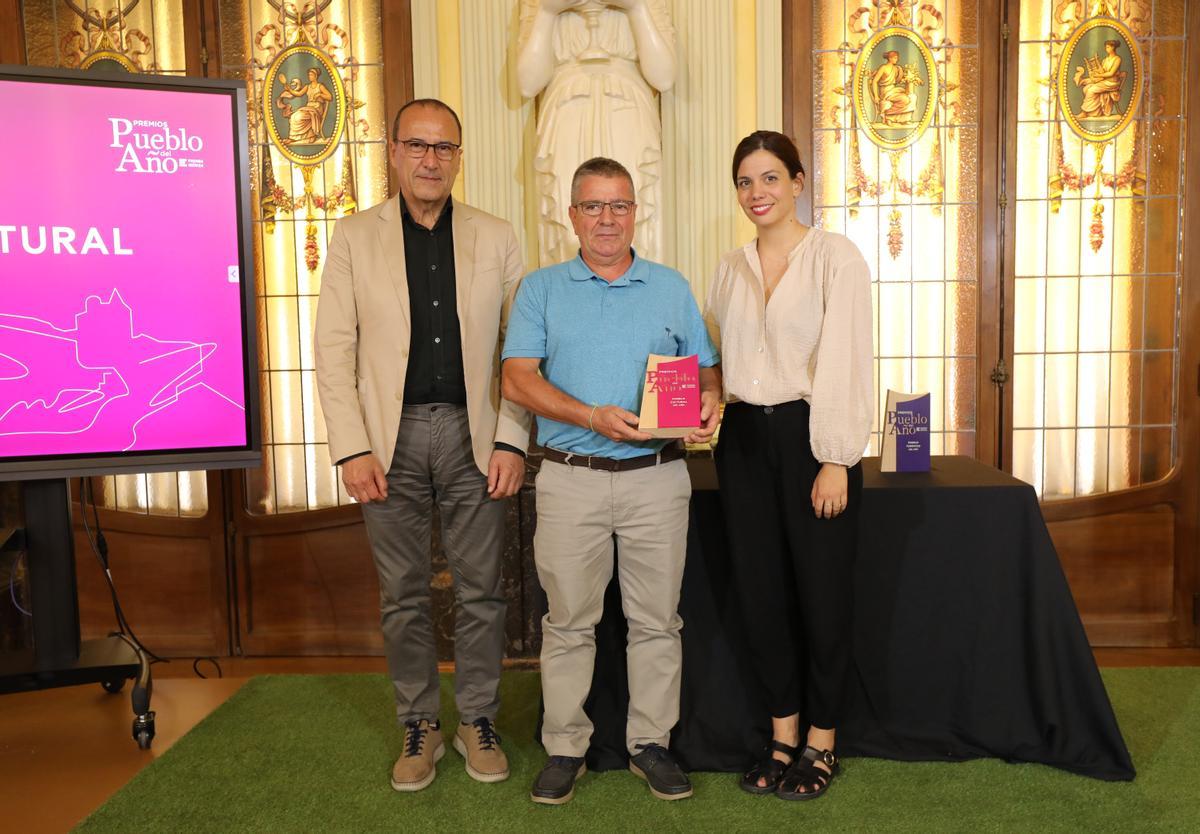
x=593, y=338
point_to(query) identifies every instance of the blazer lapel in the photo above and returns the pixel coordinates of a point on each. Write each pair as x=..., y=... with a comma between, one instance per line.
x=391, y=240
x=464, y=261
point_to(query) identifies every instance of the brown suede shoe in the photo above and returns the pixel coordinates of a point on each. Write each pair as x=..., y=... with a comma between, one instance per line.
x=423, y=748
x=480, y=746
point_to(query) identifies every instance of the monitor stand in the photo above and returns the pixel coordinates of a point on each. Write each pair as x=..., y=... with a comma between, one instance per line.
x=59, y=657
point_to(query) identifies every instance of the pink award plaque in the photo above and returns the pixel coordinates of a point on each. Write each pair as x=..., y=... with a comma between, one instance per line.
x=671, y=396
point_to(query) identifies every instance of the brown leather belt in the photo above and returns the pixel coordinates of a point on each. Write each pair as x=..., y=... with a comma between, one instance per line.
x=668, y=454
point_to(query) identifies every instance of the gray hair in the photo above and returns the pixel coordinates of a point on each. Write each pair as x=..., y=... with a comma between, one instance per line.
x=598, y=166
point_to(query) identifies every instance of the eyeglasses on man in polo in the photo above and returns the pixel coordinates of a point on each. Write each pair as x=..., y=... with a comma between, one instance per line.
x=594, y=208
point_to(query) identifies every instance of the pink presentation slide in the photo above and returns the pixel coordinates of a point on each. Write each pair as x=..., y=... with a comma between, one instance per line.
x=120, y=296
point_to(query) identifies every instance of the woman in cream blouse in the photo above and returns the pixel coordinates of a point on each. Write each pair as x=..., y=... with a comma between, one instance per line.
x=791, y=313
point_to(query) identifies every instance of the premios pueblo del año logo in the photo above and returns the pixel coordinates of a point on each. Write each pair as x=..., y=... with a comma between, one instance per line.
x=152, y=146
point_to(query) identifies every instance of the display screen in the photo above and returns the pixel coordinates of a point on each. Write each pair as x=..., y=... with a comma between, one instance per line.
x=124, y=312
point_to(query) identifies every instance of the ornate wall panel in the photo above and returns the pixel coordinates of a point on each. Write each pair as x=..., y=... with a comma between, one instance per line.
x=1098, y=243
x=314, y=73
x=110, y=35
x=895, y=159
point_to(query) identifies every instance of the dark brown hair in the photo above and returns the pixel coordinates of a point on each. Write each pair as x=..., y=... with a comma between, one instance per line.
x=426, y=102
x=773, y=143
x=598, y=166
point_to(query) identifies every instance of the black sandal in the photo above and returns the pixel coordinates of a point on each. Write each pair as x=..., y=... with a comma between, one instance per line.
x=769, y=769
x=804, y=773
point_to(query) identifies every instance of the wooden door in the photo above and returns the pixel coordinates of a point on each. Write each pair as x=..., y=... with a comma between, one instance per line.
x=1101, y=288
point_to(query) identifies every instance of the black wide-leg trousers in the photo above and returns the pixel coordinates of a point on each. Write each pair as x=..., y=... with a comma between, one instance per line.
x=793, y=571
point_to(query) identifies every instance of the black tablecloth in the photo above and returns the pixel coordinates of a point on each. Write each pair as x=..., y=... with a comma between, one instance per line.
x=966, y=637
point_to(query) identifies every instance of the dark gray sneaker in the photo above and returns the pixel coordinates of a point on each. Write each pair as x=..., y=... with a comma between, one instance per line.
x=665, y=778
x=555, y=785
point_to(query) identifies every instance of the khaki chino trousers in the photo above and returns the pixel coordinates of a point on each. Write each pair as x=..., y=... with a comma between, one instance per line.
x=580, y=513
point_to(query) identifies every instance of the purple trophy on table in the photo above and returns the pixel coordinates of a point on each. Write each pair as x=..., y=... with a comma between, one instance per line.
x=905, y=433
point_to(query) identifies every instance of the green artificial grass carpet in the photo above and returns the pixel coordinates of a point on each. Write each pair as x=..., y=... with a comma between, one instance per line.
x=314, y=753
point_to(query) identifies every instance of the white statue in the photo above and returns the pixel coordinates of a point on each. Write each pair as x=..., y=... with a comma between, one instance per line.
x=598, y=65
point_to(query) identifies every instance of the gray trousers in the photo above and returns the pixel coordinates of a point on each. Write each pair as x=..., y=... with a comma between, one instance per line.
x=434, y=462
x=580, y=512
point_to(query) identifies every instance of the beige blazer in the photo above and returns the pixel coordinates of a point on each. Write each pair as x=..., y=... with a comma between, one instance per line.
x=363, y=329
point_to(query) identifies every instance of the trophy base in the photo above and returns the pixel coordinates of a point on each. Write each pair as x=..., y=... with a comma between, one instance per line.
x=671, y=433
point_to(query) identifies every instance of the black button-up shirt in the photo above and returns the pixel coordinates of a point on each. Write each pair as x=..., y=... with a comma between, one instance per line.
x=435, y=362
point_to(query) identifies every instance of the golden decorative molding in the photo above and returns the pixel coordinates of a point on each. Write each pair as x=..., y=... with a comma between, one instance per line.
x=878, y=33
x=107, y=40
x=1098, y=95
x=317, y=49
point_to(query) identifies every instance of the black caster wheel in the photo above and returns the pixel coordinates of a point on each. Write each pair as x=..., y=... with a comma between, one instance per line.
x=143, y=730
x=113, y=686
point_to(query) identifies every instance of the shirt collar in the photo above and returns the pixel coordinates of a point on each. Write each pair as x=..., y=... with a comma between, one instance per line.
x=751, y=248
x=442, y=218
x=580, y=271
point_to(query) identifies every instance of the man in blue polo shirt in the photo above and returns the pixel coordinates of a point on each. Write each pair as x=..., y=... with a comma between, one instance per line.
x=588, y=326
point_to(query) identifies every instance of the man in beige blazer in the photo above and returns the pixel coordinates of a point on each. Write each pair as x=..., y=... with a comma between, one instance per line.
x=414, y=300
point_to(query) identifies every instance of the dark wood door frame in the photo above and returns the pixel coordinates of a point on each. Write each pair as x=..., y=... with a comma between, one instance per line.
x=202, y=47
x=997, y=179
x=398, y=61
x=12, y=33
x=798, y=87
x=1189, y=355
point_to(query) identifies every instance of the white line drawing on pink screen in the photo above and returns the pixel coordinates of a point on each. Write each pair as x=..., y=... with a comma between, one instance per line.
x=101, y=376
